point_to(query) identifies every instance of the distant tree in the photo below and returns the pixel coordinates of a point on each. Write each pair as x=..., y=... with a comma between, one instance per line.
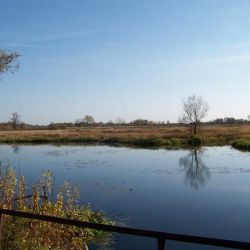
x=140, y=122
x=229, y=120
x=194, y=110
x=8, y=61
x=78, y=122
x=15, y=120
x=60, y=125
x=219, y=121
x=88, y=119
x=120, y=120
x=110, y=122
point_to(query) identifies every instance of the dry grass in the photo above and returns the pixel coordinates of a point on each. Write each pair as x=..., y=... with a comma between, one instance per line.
x=212, y=134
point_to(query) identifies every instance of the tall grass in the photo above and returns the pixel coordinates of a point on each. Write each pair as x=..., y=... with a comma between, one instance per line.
x=21, y=233
x=144, y=136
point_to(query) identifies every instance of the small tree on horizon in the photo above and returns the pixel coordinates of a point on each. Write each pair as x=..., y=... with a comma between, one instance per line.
x=88, y=119
x=194, y=110
x=120, y=121
x=15, y=120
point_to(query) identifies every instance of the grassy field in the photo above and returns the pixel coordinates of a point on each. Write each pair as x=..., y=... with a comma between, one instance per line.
x=144, y=136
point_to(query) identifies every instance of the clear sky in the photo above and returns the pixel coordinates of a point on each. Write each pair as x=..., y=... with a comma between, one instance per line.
x=125, y=58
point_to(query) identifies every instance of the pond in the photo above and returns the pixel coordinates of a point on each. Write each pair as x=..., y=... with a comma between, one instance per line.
x=198, y=192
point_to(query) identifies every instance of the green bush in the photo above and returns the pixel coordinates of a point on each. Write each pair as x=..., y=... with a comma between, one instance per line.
x=21, y=233
x=242, y=144
x=150, y=142
x=194, y=141
x=176, y=142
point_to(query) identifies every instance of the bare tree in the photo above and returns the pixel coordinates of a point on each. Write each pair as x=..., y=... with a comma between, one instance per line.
x=120, y=120
x=110, y=122
x=8, y=61
x=78, y=121
x=15, y=120
x=194, y=110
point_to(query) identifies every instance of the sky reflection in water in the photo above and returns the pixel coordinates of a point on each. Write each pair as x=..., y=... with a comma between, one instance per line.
x=203, y=192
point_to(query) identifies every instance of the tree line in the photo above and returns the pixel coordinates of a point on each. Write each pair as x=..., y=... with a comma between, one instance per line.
x=194, y=108
x=15, y=123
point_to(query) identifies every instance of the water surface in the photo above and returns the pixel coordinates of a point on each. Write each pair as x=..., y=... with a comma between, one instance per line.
x=204, y=192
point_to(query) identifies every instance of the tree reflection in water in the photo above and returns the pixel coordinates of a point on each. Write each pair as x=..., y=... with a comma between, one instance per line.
x=16, y=149
x=196, y=172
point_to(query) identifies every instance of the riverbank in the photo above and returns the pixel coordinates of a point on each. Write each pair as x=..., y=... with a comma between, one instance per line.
x=242, y=144
x=143, y=136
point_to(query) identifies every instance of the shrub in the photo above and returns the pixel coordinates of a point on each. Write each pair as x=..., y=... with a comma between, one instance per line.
x=194, y=141
x=150, y=142
x=176, y=142
x=242, y=144
x=22, y=233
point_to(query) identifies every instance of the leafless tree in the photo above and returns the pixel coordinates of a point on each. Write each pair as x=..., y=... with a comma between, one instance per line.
x=8, y=61
x=120, y=120
x=15, y=120
x=194, y=110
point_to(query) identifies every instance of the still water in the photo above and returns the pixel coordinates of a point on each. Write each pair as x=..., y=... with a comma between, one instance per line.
x=204, y=192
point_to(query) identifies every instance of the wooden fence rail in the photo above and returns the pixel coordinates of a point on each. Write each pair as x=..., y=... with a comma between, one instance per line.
x=161, y=237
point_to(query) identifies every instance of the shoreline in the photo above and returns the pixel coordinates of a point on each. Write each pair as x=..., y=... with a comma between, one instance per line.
x=238, y=136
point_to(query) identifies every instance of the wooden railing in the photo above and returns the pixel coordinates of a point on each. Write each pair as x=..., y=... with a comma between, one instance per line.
x=161, y=237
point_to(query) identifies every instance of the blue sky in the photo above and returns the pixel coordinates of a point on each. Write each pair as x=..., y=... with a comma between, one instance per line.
x=125, y=58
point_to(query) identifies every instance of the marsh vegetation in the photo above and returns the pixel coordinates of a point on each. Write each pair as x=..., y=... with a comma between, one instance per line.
x=20, y=233
x=166, y=136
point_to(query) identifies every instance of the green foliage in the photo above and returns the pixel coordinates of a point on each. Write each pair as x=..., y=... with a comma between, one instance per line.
x=112, y=140
x=242, y=144
x=64, y=125
x=20, y=233
x=176, y=142
x=194, y=141
x=88, y=119
x=150, y=142
x=140, y=122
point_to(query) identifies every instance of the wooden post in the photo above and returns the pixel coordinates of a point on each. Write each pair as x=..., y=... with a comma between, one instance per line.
x=1, y=223
x=161, y=243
